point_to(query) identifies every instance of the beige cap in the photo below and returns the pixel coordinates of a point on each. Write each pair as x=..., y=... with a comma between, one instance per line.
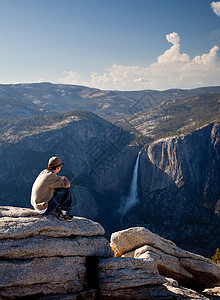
x=54, y=162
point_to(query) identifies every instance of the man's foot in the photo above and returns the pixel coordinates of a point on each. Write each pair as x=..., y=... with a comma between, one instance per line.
x=66, y=217
x=56, y=212
x=59, y=215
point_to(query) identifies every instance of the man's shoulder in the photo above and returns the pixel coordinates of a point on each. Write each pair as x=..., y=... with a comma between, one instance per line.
x=49, y=175
x=45, y=172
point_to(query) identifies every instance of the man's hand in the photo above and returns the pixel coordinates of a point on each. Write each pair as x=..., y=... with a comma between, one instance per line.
x=67, y=183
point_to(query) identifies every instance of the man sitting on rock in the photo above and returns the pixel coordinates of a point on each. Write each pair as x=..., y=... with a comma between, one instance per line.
x=50, y=192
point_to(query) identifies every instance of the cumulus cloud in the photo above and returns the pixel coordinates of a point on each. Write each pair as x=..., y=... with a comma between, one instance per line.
x=173, y=54
x=216, y=7
x=172, y=69
x=71, y=77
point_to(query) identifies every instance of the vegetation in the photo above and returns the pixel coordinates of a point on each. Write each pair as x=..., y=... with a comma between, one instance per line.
x=216, y=256
x=172, y=118
x=178, y=117
x=13, y=130
x=186, y=115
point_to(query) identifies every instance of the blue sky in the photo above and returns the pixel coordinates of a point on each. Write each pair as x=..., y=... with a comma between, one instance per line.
x=111, y=44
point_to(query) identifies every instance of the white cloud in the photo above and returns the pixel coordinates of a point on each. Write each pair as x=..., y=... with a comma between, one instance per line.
x=71, y=77
x=172, y=69
x=216, y=7
x=173, y=54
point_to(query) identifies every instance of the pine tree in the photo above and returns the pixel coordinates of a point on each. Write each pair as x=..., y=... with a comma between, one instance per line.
x=216, y=256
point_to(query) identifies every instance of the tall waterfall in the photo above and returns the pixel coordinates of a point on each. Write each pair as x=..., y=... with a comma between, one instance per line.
x=132, y=199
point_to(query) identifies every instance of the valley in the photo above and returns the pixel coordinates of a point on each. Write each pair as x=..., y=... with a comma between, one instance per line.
x=98, y=134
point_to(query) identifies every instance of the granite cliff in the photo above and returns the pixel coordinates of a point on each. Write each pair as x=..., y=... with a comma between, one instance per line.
x=179, y=189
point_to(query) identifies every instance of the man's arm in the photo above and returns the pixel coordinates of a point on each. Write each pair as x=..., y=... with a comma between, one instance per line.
x=67, y=182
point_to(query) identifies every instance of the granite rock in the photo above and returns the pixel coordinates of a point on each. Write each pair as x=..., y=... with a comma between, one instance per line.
x=187, y=268
x=42, y=246
x=42, y=275
x=20, y=224
x=126, y=273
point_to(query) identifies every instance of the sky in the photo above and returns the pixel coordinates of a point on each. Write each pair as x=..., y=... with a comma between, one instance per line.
x=111, y=44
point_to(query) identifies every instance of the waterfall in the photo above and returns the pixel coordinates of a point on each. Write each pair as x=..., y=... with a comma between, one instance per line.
x=132, y=198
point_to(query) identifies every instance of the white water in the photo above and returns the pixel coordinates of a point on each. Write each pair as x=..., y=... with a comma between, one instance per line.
x=132, y=199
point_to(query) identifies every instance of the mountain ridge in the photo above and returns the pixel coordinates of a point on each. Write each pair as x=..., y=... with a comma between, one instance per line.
x=25, y=100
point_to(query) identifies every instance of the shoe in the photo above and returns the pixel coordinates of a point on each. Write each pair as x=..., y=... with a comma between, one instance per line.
x=57, y=213
x=66, y=217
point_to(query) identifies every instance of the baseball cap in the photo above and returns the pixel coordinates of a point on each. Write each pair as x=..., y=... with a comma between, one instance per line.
x=55, y=162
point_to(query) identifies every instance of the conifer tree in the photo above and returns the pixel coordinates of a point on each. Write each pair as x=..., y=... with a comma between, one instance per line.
x=216, y=256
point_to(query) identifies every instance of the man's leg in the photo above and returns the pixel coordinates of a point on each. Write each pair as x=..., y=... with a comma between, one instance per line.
x=61, y=200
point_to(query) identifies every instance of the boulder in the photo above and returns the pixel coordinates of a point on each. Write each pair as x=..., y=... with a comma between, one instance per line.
x=119, y=275
x=187, y=268
x=21, y=223
x=129, y=279
x=130, y=239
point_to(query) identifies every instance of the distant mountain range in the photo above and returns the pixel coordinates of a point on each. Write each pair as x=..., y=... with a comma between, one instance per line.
x=150, y=114
x=25, y=100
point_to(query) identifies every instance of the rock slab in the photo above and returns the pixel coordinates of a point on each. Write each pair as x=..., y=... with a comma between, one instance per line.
x=18, y=222
x=189, y=269
x=42, y=255
x=42, y=246
x=42, y=275
x=118, y=275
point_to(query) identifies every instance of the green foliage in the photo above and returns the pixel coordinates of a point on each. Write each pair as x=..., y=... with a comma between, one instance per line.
x=186, y=115
x=17, y=129
x=216, y=256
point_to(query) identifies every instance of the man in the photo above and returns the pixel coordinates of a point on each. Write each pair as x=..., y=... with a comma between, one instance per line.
x=50, y=192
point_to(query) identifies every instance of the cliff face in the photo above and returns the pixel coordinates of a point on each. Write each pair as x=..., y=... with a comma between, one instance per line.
x=179, y=187
x=178, y=177
x=98, y=163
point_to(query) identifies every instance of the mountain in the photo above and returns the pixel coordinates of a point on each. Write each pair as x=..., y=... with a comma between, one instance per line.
x=25, y=100
x=177, y=132
x=175, y=117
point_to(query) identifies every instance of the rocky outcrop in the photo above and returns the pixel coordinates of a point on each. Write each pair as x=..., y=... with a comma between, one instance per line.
x=187, y=268
x=42, y=255
x=44, y=258
x=124, y=276
x=129, y=278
